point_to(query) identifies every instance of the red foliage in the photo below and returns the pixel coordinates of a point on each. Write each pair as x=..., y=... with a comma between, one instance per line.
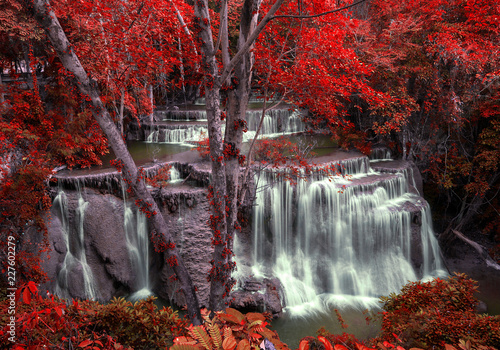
x=431, y=314
x=52, y=323
x=313, y=63
x=281, y=153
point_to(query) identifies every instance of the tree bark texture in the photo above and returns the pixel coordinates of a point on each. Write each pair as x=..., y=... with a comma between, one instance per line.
x=219, y=273
x=224, y=152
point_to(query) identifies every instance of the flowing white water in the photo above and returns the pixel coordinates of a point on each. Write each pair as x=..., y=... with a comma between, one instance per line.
x=276, y=122
x=75, y=260
x=327, y=243
x=137, y=238
x=175, y=176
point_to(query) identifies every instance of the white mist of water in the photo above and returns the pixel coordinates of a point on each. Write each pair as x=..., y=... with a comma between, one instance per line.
x=186, y=134
x=174, y=175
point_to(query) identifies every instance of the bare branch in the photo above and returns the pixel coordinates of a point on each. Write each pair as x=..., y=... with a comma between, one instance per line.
x=320, y=14
x=251, y=39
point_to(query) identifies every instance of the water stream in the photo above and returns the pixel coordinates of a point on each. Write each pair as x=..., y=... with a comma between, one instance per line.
x=137, y=238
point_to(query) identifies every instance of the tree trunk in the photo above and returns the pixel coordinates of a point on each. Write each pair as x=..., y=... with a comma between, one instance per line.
x=219, y=273
x=122, y=106
x=236, y=113
x=48, y=20
x=224, y=158
x=2, y=95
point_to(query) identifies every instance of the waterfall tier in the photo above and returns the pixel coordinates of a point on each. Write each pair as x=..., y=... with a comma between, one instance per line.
x=74, y=269
x=327, y=237
x=78, y=276
x=180, y=126
x=355, y=235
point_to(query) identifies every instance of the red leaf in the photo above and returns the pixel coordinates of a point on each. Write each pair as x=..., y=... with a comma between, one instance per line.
x=340, y=347
x=326, y=343
x=58, y=311
x=304, y=345
x=26, y=296
x=85, y=343
x=33, y=287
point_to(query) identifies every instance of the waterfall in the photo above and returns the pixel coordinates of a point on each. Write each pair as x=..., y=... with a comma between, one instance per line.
x=174, y=175
x=380, y=153
x=430, y=245
x=75, y=260
x=153, y=136
x=185, y=134
x=137, y=239
x=138, y=247
x=329, y=237
x=182, y=126
x=276, y=121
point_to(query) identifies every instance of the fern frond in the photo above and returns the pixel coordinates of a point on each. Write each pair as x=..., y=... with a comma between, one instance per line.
x=227, y=332
x=214, y=331
x=255, y=324
x=199, y=333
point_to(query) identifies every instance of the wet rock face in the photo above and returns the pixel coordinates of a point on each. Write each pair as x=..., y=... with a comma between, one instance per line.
x=103, y=242
x=107, y=251
x=258, y=296
x=186, y=211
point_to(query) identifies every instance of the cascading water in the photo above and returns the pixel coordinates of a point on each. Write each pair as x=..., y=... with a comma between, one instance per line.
x=331, y=240
x=137, y=237
x=75, y=260
x=174, y=175
x=276, y=122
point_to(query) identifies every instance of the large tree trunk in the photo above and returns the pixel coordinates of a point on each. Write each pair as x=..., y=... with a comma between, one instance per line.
x=219, y=273
x=223, y=153
x=238, y=98
x=48, y=20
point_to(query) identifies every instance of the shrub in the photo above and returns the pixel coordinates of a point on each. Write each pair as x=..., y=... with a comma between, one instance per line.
x=51, y=323
x=431, y=314
x=229, y=330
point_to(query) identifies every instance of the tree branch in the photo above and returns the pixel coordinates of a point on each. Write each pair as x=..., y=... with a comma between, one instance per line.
x=320, y=14
x=479, y=248
x=267, y=18
x=251, y=39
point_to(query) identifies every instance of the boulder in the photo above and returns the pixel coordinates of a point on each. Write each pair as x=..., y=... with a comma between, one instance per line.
x=258, y=296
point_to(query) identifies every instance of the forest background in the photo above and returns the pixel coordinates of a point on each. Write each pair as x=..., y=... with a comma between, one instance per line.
x=419, y=76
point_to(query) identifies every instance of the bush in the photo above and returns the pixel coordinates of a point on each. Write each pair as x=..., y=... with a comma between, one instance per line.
x=431, y=314
x=51, y=323
x=230, y=330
